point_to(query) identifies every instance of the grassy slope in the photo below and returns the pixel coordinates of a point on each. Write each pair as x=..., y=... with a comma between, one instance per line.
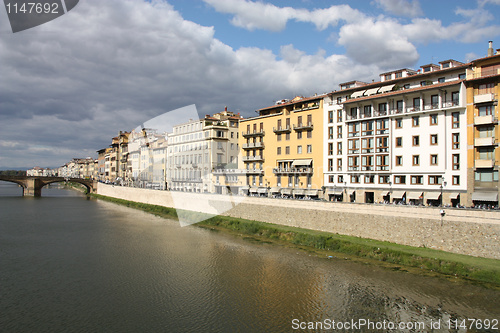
x=416, y=260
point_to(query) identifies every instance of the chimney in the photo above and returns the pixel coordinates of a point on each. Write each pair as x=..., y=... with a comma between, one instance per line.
x=225, y=108
x=490, y=48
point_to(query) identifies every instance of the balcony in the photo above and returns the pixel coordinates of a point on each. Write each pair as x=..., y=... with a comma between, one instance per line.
x=253, y=145
x=254, y=171
x=292, y=171
x=256, y=158
x=484, y=163
x=241, y=172
x=484, y=98
x=431, y=106
x=484, y=142
x=484, y=120
x=279, y=130
x=303, y=127
x=412, y=109
x=252, y=134
x=451, y=104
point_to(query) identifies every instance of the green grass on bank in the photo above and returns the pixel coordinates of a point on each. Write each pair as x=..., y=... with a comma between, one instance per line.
x=422, y=260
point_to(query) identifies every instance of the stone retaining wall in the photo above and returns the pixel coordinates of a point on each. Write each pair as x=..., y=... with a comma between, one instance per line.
x=471, y=232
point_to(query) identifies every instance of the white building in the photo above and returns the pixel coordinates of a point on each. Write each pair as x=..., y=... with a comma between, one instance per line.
x=398, y=140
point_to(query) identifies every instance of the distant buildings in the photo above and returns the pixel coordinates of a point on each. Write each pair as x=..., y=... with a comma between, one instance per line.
x=426, y=137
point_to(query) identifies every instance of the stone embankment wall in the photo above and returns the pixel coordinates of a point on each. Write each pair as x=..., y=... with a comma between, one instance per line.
x=470, y=232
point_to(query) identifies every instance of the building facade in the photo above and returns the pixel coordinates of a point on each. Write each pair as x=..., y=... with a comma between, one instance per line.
x=400, y=139
x=282, y=149
x=483, y=159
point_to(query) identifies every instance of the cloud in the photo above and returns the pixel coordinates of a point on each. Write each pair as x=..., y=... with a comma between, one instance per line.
x=401, y=7
x=108, y=66
x=258, y=15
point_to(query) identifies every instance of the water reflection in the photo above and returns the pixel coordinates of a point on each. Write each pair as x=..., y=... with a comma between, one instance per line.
x=74, y=264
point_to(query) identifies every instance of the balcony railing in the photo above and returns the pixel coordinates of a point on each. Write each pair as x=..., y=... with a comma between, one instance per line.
x=280, y=129
x=484, y=141
x=253, y=158
x=302, y=126
x=484, y=98
x=253, y=145
x=431, y=106
x=285, y=171
x=484, y=163
x=254, y=133
x=484, y=120
x=450, y=104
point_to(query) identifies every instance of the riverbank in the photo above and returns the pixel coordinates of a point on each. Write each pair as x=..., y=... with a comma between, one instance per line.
x=415, y=260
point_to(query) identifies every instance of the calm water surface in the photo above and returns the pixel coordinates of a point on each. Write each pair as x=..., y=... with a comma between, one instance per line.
x=68, y=264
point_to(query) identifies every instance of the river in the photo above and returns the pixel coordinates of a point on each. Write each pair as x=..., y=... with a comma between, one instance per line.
x=72, y=264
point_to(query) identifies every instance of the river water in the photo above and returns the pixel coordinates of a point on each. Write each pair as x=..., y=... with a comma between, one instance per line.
x=70, y=264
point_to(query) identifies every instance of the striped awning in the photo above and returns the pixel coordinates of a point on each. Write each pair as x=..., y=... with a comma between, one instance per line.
x=372, y=91
x=432, y=195
x=357, y=94
x=350, y=192
x=398, y=194
x=454, y=195
x=297, y=163
x=485, y=196
x=386, y=88
x=262, y=190
x=335, y=192
x=414, y=195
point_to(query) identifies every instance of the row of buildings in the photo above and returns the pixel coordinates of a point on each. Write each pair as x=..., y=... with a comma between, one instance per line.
x=417, y=137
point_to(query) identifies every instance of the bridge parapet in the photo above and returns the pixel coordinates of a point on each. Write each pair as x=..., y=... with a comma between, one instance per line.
x=32, y=185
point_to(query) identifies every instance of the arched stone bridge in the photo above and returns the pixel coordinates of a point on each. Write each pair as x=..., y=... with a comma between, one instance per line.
x=32, y=186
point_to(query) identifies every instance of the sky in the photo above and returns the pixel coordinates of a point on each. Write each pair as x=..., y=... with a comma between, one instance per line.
x=68, y=86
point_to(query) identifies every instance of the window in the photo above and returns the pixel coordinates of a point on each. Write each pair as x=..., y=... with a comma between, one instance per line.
x=330, y=117
x=399, y=122
x=485, y=110
x=441, y=80
x=399, y=106
x=456, y=161
x=354, y=179
x=399, y=160
x=330, y=164
x=486, y=88
x=455, y=97
x=485, y=153
x=486, y=175
x=416, y=160
x=434, y=139
x=416, y=140
x=339, y=115
x=435, y=180
x=331, y=179
x=456, y=180
x=339, y=164
x=434, y=159
x=387, y=76
x=309, y=149
x=309, y=134
x=353, y=113
x=369, y=179
x=353, y=162
x=486, y=132
x=330, y=149
x=367, y=145
x=383, y=179
x=434, y=101
x=339, y=148
x=367, y=163
x=353, y=129
x=399, y=179
x=415, y=121
x=416, y=104
x=287, y=150
x=367, y=111
x=382, y=144
x=278, y=151
x=383, y=126
x=340, y=179
x=287, y=136
x=330, y=133
x=433, y=119
x=367, y=128
x=399, y=141
x=299, y=121
x=353, y=146
x=299, y=135
x=455, y=138
x=339, y=132
x=278, y=137
x=299, y=149
x=417, y=180
x=461, y=76
x=455, y=116
x=382, y=109
x=382, y=162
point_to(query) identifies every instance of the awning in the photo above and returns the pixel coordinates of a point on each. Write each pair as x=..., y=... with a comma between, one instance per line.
x=312, y=193
x=454, y=195
x=372, y=91
x=245, y=188
x=432, y=195
x=386, y=88
x=275, y=190
x=335, y=192
x=485, y=196
x=286, y=191
x=398, y=194
x=357, y=94
x=253, y=190
x=414, y=195
x=262, y=190
x=385, y=193
x=299, y=191
x=350, y=192
x=297, y=163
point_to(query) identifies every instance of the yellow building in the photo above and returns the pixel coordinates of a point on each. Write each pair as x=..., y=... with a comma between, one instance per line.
x=283, y=148
x=483, y=155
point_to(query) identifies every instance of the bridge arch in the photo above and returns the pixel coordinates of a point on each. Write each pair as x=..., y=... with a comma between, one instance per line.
x=32, y=186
